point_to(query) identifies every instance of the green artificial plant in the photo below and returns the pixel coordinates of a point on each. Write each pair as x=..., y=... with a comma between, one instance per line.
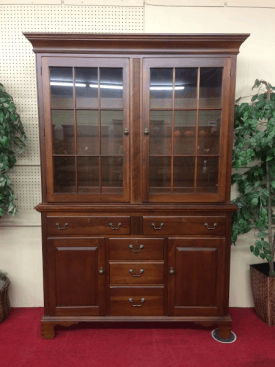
x=12, y=142
x=254, y=156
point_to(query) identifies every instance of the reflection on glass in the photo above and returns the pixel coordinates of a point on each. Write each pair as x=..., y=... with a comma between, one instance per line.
x=112, y=172
x=63, y=131
x=184, y=169
x=160, y=132
x=160, y=174
x=111, y=132
x=88, y=174
x=186, y=87
x=161, y=88
x=210, y=87
x=61, y=83
x=87, y=132
x=184, y=132
x=86, y=87
x=209, y=132
x=64, y=174
x=207, y=174
x=111, y=87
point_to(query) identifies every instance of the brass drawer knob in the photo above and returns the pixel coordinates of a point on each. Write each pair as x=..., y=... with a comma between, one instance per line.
x=101, y=271
x=171, y=271
x=131, y=271
x=160, y=227
x=58, y=226
x=111, y=225
x=207, y=226
x=141, y=302
x=132, y=248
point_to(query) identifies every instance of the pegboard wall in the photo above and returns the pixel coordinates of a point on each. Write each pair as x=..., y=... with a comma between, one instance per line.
x=17, y=69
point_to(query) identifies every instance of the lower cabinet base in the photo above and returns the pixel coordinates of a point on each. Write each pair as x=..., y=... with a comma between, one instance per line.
x=49, y=322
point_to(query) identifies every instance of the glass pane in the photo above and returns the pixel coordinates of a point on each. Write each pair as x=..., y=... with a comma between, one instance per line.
x=112, y=172
x=61, y=83
x=186, y=88
x=111, y=87
x=160, y=174
x=111, y=132
x=209, y=132
x=88, y=174
x=87, y=132
x=160, y=132
x=184, y=170
x=184, y=132
x=210, y=87
x=86, y=87
x=64, y=174
x=161, y=88
x=207, y=174
x=63, y=131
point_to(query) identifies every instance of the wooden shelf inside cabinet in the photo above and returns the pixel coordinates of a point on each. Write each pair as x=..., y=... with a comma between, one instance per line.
x=136, y=143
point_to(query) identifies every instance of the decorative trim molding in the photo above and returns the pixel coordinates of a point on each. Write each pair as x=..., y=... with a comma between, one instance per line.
x=81, y=43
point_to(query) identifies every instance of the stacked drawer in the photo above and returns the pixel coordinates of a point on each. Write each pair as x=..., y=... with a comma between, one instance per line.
x=136, y=276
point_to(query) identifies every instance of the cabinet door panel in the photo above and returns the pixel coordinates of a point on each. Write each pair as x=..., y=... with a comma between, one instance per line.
x=196, y=276
x=185, y=125
x=86, y=129
x=76, y=286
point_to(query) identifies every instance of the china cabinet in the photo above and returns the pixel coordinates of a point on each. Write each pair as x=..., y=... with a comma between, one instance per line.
x=136, y=142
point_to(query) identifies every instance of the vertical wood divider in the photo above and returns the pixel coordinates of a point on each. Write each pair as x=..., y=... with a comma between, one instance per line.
x=75, y=134
x=172, y=132
x=99, y=132
x=197, y=130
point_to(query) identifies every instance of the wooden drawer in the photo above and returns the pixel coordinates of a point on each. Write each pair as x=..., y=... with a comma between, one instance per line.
x=131, y=301
x=136, y=248
x=136, y=272
x=184, y=225
x=88, y=225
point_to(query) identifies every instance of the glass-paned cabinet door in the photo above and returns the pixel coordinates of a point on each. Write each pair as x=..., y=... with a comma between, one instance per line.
x=86, y=128
x=185, y=122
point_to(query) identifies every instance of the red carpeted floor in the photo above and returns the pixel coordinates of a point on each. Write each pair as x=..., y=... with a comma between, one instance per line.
x=81, y=345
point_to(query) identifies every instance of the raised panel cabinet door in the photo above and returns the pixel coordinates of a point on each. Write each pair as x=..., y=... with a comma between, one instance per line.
x=196, y=276
x=86, y=114
x=76, y=276
x=185, y=129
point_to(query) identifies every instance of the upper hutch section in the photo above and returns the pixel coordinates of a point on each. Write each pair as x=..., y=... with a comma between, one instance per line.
x=136, y=118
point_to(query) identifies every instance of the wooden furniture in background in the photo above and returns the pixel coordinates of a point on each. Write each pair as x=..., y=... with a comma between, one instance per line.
x=136, y=142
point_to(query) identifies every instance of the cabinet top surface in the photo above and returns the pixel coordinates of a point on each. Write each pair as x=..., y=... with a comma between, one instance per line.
x=136, y=43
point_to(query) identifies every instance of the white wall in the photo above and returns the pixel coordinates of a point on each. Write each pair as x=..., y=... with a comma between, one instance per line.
x=20, y=247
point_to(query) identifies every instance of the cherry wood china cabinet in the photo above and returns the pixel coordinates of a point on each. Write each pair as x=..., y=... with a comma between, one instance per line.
x=136, y=142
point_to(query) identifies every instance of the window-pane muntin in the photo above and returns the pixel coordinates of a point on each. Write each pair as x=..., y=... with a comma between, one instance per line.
x=86, y=87
x=61, y=87
x=211, y=87
x=160, y=132
x=90, y=124
x=161, y=88
x=63, y=132
x=186, y=80
x=196, y=128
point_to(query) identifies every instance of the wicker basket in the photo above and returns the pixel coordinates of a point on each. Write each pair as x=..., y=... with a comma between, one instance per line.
x=4, y=301
x=263, y=290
